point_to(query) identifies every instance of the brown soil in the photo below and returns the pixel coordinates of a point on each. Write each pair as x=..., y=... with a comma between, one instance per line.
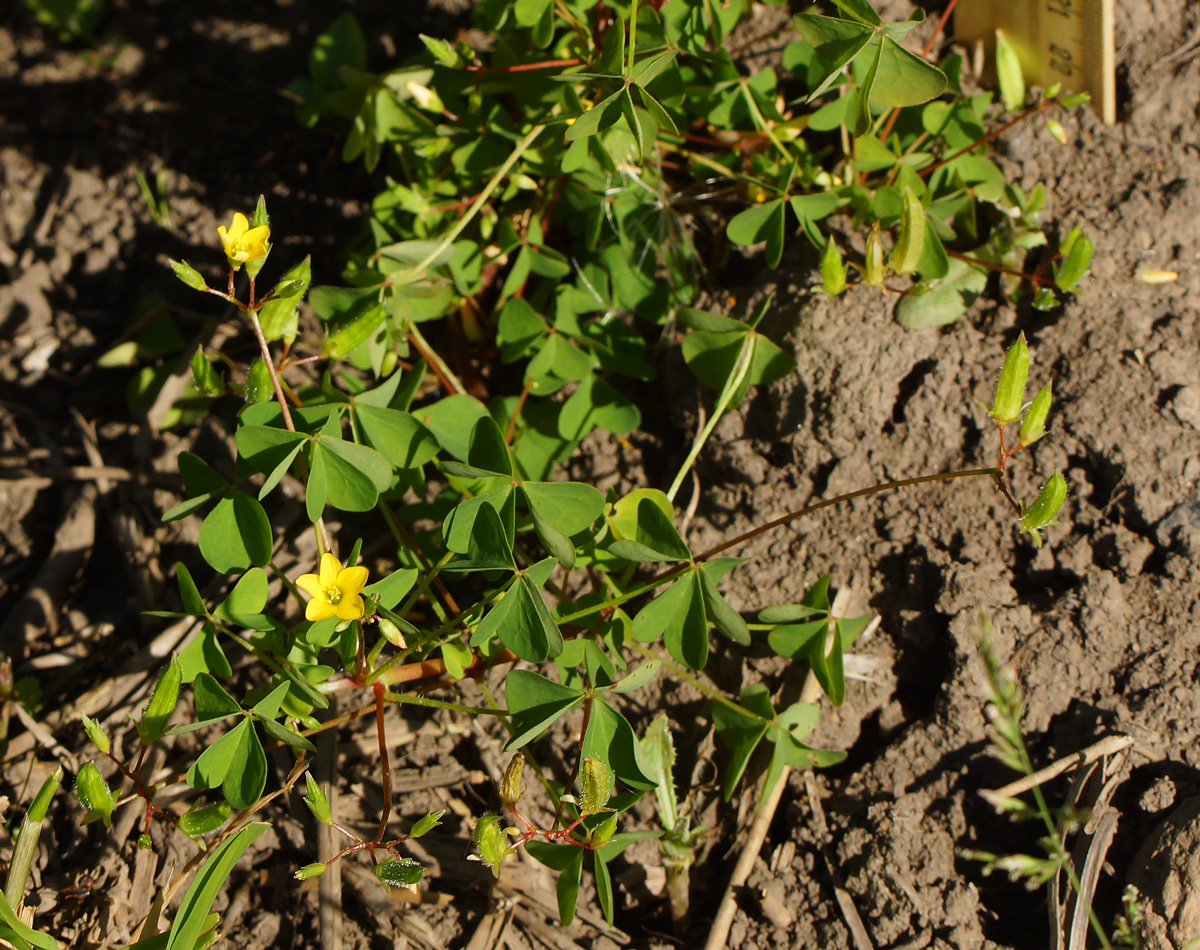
x=1101, y=625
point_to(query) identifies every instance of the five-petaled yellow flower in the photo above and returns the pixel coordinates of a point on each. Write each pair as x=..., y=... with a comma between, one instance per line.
x=243, y=243
x=336, y=590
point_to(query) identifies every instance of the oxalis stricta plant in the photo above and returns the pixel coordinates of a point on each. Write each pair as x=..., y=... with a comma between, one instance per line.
x=586, y=160
x=581, y=597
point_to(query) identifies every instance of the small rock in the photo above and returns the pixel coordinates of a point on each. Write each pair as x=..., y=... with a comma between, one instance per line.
x=1180, y=529
x=1165, y=872
x=774, y=905
x=1159, y=796
x=1186, y=406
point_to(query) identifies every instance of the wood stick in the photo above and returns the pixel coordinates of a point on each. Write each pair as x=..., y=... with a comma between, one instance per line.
x=1099, y=750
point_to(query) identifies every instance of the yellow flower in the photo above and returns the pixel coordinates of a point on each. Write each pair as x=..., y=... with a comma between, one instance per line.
x=336, y=590
x=243, y=243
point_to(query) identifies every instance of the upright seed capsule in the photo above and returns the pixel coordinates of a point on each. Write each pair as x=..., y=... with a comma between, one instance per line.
x=873, y=265
x=511, y=785
x=596, y=781
x=1010, y=393
x=1033, y=427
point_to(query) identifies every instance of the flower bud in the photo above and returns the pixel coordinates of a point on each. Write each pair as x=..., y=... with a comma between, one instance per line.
x=259, y=387
x=596, y=782
x=873, y=265
x=1033, y=427
x=492, y=842
x=94, y=794
x=1010, y=393
x=600, y=837
x=392, y=633
x=833, y=269
x=426, y=823
x=144, y=842
x=310, y=870
x=162, y=703
x=424, y=97
x=910, y=243
x=1057, y=132
x=315, y=799
x=96, y=734
x=204, y=821
x=189, y=275
x=512, y=787
x=1041, y=513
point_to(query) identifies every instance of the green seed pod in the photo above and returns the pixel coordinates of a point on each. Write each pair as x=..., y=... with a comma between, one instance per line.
x=1010, y=393
x=443, y=52
x=1033, y=427
x=205, y=375
x=94, y=794
x=1076, y=250
x=392, y=633
x=314, y=798
x=258, y=382
x=492, y=842
x=310, y=870
x=910, y=243
x=400, y=872
x=96, y=734
x=600, y=837
x=290, y=288
x=204, y=821
x=596, y=782
x=1057, y=132
x=512, y=787
x=162, y=703
x=144, y=842
x=873, y=265
x=189, y=275
x=833, y=269
x=424, y=97
x=1041, y=513
x=1009, y=75
x=426, y=824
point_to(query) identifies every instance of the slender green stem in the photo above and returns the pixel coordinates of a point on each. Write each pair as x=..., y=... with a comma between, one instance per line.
x=286, y=581
x=423, y=586
x=762, y=122
x=405, y=541
x=619, y=599
x=710, y=691
x=1067, y=865
x=27, y=838
x=443, y=371
x=632, y=37
x=779, y=522
x=791, y=516
x=476, y=206
x=741, y=370
x=416, y=699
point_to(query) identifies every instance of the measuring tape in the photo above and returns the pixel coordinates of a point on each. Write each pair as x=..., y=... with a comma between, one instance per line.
x=1063, y=41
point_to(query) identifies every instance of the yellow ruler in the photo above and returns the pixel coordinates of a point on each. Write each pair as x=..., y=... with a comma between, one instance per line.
x=1066, y=41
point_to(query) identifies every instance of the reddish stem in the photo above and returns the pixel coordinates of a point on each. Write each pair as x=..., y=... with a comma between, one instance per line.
x=512, y=420
x=1036, y=279
x=381, y=734
x=1024, y=114
x=524, y=67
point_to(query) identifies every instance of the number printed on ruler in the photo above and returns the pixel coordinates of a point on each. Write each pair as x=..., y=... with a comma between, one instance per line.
x=1057, y=41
